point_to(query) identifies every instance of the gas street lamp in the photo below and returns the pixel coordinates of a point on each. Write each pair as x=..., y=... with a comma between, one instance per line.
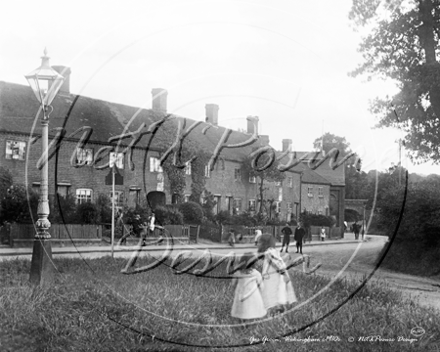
x=45, y=83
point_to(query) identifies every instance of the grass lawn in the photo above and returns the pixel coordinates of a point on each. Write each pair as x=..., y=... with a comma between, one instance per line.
x=92, y=306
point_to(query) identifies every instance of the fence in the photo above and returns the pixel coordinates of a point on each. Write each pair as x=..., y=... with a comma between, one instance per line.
x=211, y=232
x=179, y=233
x=25, y=233
x=188, y=233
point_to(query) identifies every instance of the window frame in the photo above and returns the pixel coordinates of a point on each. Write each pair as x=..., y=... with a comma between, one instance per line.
x=116, y=158
x=237, y=174
x=239, y=202
x=119, y=203
x=21, y=150
x=81, y=200
x=85, y=151
x=250, y=202
x=155, y=165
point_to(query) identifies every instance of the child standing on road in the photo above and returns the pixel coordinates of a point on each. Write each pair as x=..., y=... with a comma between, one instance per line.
x=277, y=289
x=322, y=234
x=248, y=302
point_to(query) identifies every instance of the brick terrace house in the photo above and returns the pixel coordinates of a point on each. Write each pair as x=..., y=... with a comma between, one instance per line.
x=88, y=132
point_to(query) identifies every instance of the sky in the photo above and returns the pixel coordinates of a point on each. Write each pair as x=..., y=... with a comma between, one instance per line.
x=285, y=61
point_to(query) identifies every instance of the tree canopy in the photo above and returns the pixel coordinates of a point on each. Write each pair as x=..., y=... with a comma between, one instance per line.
x=330, y=141
x=402, y=45
x=265, y=168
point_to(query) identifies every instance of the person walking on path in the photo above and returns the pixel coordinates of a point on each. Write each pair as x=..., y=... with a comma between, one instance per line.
x=248, y=301
x=322, y=234
x=277, y=289
x=231, y=237
x=286, y=231
x=300, y=232
x=258, y=234
x=356, y=228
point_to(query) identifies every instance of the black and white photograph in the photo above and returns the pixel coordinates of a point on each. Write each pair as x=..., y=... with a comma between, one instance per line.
x=220, y=175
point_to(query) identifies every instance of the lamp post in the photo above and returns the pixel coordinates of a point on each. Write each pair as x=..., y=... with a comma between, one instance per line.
x=45, y=83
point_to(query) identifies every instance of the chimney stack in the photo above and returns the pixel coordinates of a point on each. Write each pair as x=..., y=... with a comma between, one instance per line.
x=212, y=113
x=159, y=99
x=264, y=139
x=65, y=72
x=252, y=124
x=287, y=145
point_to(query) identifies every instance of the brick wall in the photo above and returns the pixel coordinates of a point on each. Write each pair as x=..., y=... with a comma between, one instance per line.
x=222, y=182
x=314, y=202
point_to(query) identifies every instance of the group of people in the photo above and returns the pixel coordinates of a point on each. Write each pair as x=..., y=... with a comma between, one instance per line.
x=267, y=291
x=357, y=228
x=140, y=228
x=299, y=237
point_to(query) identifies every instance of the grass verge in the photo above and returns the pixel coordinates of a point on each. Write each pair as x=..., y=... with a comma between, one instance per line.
x=91, y=306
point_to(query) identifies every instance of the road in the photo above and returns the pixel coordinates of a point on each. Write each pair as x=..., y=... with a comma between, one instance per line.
x=357, y=261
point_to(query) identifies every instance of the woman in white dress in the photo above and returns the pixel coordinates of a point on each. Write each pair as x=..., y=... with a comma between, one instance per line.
x=277, y=288
x=248, y=303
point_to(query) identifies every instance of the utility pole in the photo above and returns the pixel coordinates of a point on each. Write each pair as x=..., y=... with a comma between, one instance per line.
x=113, y=207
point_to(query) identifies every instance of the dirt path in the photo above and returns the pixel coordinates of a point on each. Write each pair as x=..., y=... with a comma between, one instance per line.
x=357, y=261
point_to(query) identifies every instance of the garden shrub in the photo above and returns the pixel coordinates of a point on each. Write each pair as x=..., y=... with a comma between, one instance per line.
x=192, y=212
x=104, y=205
x=223, y=217
x=87, y=213
x=168, y=215
x=62, y=209
x=309, y=219
x=19, y=205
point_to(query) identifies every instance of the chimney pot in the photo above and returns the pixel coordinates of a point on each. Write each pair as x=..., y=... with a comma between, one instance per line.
x=212, y=113
x=159, y=99
x=287, y=145
x=65, y=72
x=252, y=124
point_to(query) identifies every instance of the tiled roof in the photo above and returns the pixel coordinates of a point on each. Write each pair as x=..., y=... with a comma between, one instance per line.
x=323, y=174
x=18, y=109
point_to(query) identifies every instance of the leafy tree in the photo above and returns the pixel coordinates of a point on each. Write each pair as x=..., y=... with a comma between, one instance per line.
x=421, y=214
x=330, y=141
x=176, y=177
x=357, y=185
x=198, y=176
x=19, y=205
x=351, y=215
x=356, y=182
x=263, y=166
x=402, y=45
x=5, y=181
x=209, y=203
